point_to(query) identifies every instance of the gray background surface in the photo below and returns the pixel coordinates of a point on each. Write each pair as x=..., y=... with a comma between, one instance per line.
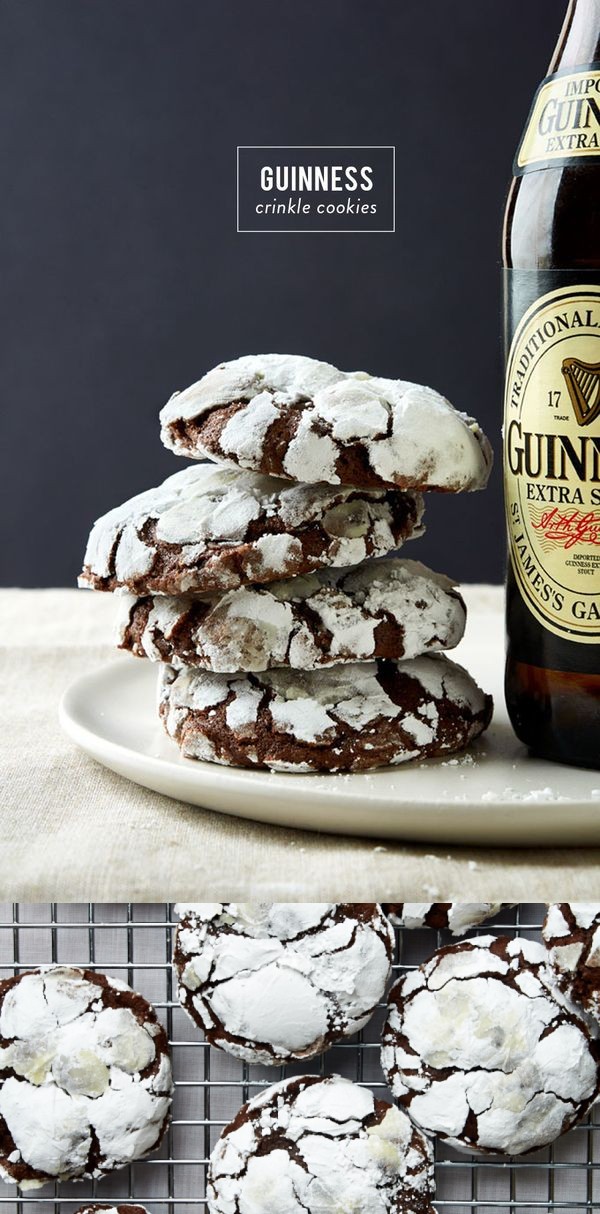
x=124, y=278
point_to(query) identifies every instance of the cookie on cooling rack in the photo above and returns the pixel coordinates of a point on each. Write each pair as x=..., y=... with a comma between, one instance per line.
x=381, y=609
x=572, y=933
x=456, y=917
x=276, y=981
x=295, y=417
x=129, y=1208
x=209, y=528
x=85, y=1076
x=318, y=1146
x=344, y=718
x=481, y=1048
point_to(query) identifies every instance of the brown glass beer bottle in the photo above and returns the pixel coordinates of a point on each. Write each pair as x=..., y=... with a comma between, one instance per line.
x=552, y=406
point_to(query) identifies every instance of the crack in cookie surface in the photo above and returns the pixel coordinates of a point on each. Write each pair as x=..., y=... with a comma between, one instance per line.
x=456, y=917
x=320, y=1145
x=386, y=609
x=345, y=718
x=482, y=1048
x=292, y=416
x=276, y=981
x=85, y=1076
x=572, y=934
x=213, y=529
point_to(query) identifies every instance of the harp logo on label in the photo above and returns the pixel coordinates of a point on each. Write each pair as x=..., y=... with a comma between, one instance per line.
x=583, y=385
x=316, y=189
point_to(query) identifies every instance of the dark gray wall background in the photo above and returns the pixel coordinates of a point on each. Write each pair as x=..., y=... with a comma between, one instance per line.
x=123, y=277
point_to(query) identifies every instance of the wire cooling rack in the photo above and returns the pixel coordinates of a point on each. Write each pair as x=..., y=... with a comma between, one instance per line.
x=134, y=943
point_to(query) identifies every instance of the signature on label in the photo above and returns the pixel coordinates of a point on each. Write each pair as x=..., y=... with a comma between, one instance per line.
x=570, y=527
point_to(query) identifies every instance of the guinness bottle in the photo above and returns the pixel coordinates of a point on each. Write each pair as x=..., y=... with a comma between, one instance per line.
x=552, y=406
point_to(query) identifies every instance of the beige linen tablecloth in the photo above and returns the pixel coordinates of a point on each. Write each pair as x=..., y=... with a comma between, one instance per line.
x=72, y=830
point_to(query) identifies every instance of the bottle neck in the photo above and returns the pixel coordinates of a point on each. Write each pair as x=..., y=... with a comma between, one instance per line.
x=579, y=42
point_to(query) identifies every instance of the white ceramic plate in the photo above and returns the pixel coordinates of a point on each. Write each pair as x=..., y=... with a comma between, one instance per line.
x=495, y=794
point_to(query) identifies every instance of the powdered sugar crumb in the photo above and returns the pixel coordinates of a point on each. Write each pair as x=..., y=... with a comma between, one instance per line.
x=534, y=796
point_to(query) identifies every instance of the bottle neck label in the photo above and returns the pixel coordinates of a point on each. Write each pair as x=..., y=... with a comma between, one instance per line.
x=564, y=125
x=552, y=448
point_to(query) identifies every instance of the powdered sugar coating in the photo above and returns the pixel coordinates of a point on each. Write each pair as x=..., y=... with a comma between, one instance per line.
x=481, y=1047
x=85, y=1076
x=273, y=981
x=320, y=1146
x=456, y=917
x=297, y=417
x=353, y=717
x=386, y=609
x=209, y=528
x=572, y=933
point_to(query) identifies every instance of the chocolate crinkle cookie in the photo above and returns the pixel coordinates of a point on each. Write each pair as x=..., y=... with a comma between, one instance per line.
x=85, y=1076
x=111, y=1209
x=572, y=933
x=482, y=1048
x=276, y=981
x=382, y=609
x=291, y=416
x=456, y=917
x=344, y=718
x=212, y=529
x=319, y=1146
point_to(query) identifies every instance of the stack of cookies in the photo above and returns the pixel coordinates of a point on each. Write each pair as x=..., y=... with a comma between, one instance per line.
x=254, y=580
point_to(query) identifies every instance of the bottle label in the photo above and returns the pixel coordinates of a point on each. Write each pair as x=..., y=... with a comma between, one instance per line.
x=564, y=124
x=552, y=459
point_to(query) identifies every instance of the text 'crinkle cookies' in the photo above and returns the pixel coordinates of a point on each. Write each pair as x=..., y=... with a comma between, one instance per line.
x=275, y=981
x=382, y=609
x=482, y=1048
x=318, y=1146
x=345, y=718
x=208, y=528
x=85, y=1076
x=572, y=933
x=291, y=416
